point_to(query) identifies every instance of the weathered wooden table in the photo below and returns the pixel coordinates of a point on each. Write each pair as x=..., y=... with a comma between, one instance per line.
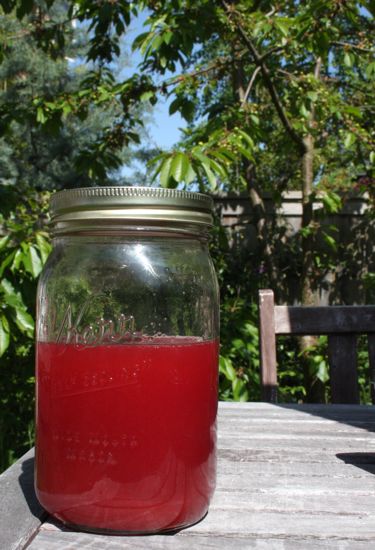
x=289, y=477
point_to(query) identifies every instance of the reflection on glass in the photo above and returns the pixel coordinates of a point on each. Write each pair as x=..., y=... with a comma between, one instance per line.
x=139, y=252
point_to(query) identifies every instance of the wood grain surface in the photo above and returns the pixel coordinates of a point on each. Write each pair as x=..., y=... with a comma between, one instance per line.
x=289, y=477
x=20, y=512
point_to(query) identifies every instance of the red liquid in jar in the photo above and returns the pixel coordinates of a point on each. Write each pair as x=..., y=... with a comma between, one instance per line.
x=126, y=433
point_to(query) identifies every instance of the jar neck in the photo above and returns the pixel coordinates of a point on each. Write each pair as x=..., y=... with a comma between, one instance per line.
x=108, y=230
x=83, y=239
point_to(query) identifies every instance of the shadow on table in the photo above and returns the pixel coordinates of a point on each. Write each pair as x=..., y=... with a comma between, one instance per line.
x=26, y=481
x=359, y=416
x=365, y=461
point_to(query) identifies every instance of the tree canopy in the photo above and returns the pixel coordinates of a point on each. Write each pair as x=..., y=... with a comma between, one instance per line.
x=253, y=78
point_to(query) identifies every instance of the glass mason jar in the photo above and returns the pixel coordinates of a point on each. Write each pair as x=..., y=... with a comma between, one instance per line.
x=127, y=360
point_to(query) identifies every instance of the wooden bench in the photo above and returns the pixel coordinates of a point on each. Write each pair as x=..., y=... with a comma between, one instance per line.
x=342, y=324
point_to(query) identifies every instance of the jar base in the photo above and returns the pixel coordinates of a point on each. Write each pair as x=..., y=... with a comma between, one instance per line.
x=124, y=532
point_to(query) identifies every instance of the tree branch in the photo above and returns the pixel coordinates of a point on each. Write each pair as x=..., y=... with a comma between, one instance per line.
x=277, y=49
x=317, y=69
x=248, y=89
x=259, y=62
x=217, y=64
x=353, y=46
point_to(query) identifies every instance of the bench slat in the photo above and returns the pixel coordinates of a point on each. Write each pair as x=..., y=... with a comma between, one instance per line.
x=324, y=320
x=371, y=355
x=342, y=359
x=268, y=347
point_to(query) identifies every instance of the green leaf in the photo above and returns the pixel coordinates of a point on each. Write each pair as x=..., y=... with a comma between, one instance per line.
x=40, y=116
x=6, y=326
x=147, y=96
x=4, y=339
x=238, y=343
x=132, y=136
x=157, y=42
x=313, y=96
x=187, y=110
x=179, y=166
x=240, y=392
x=370, y=70
x=332, y=202
x=44, y=247
x=262, y=26
x=205, y=164
x=175, y=105
x=226, y=368
x=348, y=59
x=17, y=260
x=322, y=372
x=190, y=174
x=7, y=287
x=229, y=154
x=303, y=111
x=330, y=241
x=349, y=140
x=4, y=241
x=246, y=138
x=7, y=261
x=167, y=37
x=210, y=176
x=244, y=152
x=165, y=172
x=10, y=296
x=222, y=158
x=204, y=160
x=139, y=40
x=21, y=317
x=24, y=321
x=31, y=259
x=14, y=300
x=322, y=42
x=67, y=109
x=355, y=111
x=219, y=169
x=282, y=26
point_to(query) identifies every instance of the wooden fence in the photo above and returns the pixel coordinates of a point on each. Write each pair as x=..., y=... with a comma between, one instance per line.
x=348, y=281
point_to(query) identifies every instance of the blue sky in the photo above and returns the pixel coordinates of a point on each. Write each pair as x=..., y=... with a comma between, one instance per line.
x=164, y=130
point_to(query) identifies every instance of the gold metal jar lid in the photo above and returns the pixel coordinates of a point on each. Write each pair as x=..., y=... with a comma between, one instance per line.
x=87, y=208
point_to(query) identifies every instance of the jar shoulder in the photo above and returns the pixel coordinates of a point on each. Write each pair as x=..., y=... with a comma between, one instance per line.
x=156, y=286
